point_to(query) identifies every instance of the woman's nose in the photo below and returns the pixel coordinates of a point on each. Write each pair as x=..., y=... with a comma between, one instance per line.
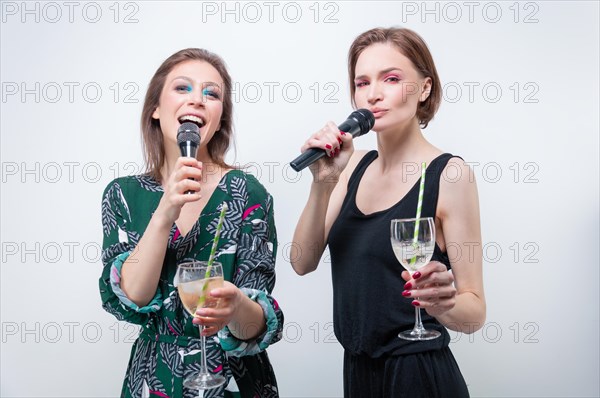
x=374, y=94
x=195, y=97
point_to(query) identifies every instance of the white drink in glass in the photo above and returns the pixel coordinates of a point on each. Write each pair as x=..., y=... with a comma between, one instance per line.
x=413, y=242
x=413, y=256
x=194, y=281
x=195, y=294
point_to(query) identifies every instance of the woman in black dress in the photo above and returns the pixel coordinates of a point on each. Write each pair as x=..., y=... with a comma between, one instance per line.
x=353, y=197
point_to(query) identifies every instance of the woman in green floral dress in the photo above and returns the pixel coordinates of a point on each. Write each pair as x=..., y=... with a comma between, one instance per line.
x=151, y=224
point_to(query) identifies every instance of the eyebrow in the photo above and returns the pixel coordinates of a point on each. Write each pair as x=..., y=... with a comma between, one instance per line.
x=383, y=72
x=204, y=84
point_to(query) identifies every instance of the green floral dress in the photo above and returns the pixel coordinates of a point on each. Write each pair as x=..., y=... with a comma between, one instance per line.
x=168, y=347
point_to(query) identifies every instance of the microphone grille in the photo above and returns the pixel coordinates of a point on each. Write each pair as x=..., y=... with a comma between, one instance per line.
x=365, y=119
x=188, y=132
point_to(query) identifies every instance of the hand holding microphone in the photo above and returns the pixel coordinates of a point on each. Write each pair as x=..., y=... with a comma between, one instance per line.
x=181, y=186
x=358, y=123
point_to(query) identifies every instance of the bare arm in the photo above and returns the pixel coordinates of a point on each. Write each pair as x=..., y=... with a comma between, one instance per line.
x=459, y=212
x=141, y=271
x=311, y=232
x=461, y=306
x=244, y=317
x=326, y=196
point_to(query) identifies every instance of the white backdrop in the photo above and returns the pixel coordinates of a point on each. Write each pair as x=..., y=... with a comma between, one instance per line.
x=520, y=103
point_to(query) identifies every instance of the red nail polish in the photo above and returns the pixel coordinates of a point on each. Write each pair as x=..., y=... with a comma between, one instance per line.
x=416, y=303
x=408, y=286
x=340, y=140
x=327, y=146
x=406, y=293
x=342, y=132
x=416, y=275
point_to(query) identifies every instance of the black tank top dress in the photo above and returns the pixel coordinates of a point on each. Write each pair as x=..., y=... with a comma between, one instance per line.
x=369, y=309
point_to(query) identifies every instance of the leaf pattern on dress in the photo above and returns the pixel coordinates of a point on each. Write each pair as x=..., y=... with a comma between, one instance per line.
x=189, y=241
x=148, y=183
x=137, y=372
x=108, y=307
x=238, y=189
x=170, y=357
x=237, y=366
x=114, y=250
x=134, y=238
x=154, y=383
x=109, y=220
x=228, y=229
x=173, y=302
x=223, y=186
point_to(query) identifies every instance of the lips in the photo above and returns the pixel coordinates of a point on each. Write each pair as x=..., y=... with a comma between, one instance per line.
x=377, y=112
x=196, y=119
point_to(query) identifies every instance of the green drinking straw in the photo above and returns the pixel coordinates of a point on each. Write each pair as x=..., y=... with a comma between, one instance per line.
x=213, y=251
x=419, y=206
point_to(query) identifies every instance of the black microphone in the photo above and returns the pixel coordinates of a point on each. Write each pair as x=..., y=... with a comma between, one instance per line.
x=358, y=123
x=188, y=139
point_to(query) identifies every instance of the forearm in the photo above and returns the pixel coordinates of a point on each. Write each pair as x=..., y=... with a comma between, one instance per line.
x=309, y=236
x=467, y=315
x=141, y=270
x=249, y=320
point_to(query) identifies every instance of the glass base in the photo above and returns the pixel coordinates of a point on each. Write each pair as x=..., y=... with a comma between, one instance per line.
x=204, y=381
x=419, y=335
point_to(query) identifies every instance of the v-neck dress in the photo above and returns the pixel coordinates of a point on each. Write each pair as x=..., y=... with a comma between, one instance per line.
x=168, y=347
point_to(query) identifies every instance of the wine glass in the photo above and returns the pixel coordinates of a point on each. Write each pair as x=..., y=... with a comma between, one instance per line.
x=194, y=281
x=413, y=241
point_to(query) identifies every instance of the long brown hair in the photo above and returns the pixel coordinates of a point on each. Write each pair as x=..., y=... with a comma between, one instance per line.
x=152, y=137
x=412, y=46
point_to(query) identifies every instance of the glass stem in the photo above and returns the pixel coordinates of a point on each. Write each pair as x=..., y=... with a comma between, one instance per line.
x=204, y=368
x=418, y=329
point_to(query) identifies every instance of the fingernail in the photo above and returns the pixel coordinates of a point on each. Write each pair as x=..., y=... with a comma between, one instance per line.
x=416, y=303
x=327, y=146
x=408, y=286
x=340, y=140
x=416, y=275
x=406, y=293
x=342, y=132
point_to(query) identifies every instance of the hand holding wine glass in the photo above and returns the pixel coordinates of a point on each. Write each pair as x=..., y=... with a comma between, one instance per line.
x=435, y=287
x=195, y=280
x=413, y=241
